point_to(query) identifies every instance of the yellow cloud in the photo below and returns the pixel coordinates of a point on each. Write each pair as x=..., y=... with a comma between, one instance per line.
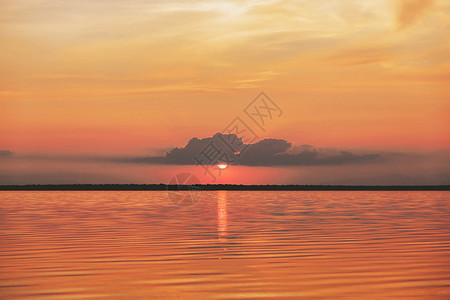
x=411, y=10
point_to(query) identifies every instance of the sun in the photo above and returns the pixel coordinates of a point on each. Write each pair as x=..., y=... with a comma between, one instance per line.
x=222, y=166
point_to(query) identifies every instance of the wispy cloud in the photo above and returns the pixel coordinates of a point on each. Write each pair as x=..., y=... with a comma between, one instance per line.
x=410, y=11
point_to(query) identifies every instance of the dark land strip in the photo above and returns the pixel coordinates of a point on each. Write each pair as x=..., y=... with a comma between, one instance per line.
x=216, y=187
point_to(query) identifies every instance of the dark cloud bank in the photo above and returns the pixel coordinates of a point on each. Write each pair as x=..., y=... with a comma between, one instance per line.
x=267, y=152
x=302, y=164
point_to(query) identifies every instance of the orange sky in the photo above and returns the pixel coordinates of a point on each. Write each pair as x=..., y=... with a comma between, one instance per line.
x=125, y=76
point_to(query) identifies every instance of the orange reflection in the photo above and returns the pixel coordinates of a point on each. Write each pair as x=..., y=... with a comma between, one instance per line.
x=136, y=244
x=222, y=223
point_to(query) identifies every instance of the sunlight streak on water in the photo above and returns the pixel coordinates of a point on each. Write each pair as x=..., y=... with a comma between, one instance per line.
x=229, y=245
x=222, y=215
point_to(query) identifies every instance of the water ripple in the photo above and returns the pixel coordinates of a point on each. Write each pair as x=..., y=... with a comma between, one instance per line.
x=230, y=245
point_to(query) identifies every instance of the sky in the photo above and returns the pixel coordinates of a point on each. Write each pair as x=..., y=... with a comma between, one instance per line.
x=89, y=86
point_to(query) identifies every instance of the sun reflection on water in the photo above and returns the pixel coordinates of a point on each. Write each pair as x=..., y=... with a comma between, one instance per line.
x=222, y=223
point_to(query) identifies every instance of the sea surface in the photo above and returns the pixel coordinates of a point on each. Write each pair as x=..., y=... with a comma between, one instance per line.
x=228, y=245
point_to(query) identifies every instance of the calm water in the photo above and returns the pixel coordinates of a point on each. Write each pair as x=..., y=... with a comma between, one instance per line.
x=230, y=245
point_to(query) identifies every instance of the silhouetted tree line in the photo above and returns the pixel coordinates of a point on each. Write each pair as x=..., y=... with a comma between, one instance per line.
x=215, y=187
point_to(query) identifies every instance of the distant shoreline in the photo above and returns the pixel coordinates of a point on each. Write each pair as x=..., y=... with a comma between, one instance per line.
x=216, y=187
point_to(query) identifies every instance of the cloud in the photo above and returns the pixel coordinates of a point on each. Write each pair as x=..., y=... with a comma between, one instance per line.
x=411, y=10
x=192, y=152
x=309, y=156
x=267, y=152
x=5, y=153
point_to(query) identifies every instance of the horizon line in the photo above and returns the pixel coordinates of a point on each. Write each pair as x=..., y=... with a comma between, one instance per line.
x=215, y=187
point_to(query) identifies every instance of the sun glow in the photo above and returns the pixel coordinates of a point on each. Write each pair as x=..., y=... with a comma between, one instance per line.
x=222, y=166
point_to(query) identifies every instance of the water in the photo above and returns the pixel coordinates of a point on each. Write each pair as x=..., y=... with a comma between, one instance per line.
x=230, y=245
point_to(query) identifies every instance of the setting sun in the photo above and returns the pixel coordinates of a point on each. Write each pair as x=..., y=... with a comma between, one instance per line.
x=222, y=166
